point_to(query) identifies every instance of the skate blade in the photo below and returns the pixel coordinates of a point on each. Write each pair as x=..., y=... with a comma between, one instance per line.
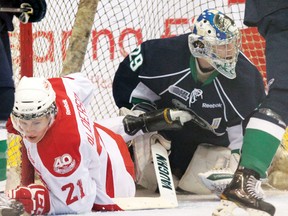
x=228, y=208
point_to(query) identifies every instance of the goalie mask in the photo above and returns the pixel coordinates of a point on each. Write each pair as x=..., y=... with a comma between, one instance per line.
x=216, y=38
x=34, y=98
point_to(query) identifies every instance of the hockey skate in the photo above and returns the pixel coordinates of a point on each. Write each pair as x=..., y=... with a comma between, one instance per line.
x=10, y=207
x=244, y=192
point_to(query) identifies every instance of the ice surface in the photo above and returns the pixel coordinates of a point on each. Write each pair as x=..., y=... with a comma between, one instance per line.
x=201, y=205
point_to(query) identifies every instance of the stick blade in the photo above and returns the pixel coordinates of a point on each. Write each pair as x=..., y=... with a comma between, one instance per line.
x=163, y=172
x=167, y=198
x=140, y=203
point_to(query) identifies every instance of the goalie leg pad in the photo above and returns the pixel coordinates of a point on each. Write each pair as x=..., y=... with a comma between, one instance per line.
x=145, y=171
x=144, y=168
x=205, y=158
x=278, y=171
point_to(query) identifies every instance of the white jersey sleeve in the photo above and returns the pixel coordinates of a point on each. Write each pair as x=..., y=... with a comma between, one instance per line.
x=81, y=85
x=235, y=135
x=115, y=124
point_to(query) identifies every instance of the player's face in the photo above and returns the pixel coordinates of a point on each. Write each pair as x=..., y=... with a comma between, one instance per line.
x=226, y=51
x=34, y=129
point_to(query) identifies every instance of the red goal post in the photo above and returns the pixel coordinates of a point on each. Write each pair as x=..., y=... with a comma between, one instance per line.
x=119, y=26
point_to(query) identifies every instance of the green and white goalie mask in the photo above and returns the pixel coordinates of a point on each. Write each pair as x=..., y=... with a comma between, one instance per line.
x=216, y=38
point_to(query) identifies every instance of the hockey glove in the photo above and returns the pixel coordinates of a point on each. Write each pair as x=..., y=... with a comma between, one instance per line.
x=157, y=120
x=35, y=10
x=217, y=179
x=35, y=198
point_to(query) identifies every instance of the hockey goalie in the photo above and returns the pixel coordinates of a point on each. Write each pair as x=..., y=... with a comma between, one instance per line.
x=205, y=73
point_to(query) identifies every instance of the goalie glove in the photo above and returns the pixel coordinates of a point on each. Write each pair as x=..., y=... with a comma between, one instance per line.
x=217, y=179
x=35, y=198
x=157, y=120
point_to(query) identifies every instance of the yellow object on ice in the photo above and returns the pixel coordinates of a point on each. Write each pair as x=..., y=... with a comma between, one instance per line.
x=285, y=140
x=13, y=152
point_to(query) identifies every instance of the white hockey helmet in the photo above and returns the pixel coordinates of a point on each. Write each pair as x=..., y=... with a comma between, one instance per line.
x=34, y=97
x=216, y=38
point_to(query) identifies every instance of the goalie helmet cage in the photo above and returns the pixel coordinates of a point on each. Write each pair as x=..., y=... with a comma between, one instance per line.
x=118, y=27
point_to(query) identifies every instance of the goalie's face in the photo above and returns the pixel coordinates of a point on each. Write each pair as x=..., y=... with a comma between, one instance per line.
x=34, y=129
x=226, y=52
x=216, y=39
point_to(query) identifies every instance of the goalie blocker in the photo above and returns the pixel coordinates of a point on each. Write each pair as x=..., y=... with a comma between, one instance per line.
x=164, y=119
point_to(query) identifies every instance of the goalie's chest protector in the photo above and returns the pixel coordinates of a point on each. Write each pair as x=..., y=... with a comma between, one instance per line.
x=205, y=100
x=171, y=75
x=209, y=100
x=174, y=82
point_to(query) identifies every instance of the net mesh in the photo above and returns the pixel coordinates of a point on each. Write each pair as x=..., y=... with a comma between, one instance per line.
x=119, y=26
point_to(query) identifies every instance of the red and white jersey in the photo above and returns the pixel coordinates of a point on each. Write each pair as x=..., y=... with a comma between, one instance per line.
x=83, y=164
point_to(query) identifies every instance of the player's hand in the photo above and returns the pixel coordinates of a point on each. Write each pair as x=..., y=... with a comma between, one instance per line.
x=28, y=11
x=35, y=198
x=181, y=115
x=35, y=11
x=157, y=120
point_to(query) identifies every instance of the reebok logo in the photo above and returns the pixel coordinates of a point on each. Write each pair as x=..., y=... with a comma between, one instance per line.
x=211, y=106
x=65, y=103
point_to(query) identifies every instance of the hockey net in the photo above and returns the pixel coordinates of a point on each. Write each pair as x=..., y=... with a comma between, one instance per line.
x=118, y=27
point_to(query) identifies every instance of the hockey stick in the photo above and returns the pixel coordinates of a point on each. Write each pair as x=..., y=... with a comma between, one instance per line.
x=196, y=118
x=79, y=39
x=28, y=10
x=25, y=11
x=167, y=198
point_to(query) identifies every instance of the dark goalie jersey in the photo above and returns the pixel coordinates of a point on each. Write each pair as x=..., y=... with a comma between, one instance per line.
x=163, y=72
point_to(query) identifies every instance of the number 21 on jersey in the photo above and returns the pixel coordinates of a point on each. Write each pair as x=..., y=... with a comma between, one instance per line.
x=71, y=197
